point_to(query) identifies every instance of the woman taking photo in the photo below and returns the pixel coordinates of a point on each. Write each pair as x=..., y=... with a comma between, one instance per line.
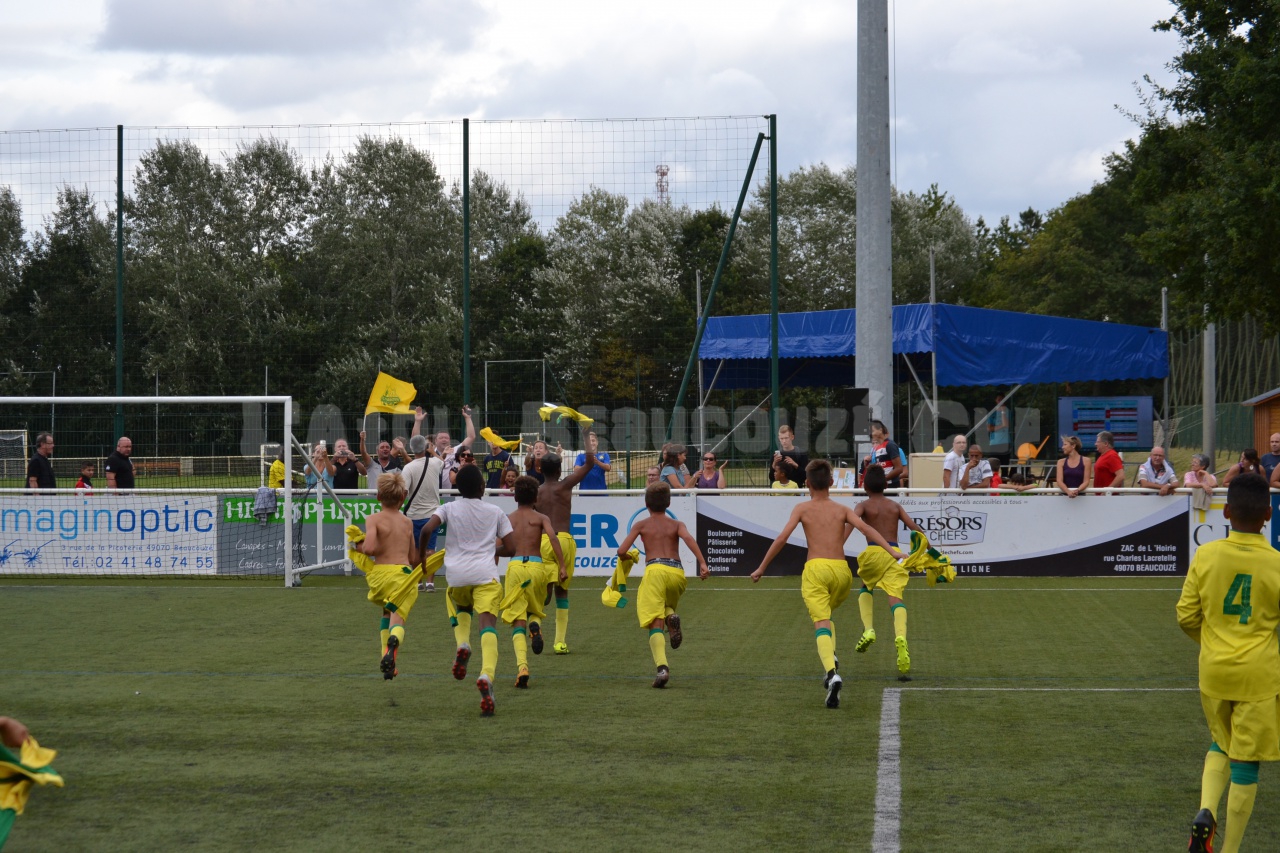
x=710, y=477
x=1075, y=470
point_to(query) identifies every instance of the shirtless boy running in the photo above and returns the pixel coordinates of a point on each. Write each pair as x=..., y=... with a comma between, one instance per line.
x=876, y=568
x=827, y=579
x=386, y=553
x=555, y=501
x=664, y=581
x=525, y=589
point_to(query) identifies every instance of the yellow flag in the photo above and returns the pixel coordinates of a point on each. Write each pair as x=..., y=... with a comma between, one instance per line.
x=498, y=441
x=391, y=395
x=564, y=412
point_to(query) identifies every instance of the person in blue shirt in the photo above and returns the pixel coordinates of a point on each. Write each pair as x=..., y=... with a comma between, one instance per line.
x=595, y=477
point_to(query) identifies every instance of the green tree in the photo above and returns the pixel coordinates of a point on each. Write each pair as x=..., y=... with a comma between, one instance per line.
x=1210, y=173
x=931, y=219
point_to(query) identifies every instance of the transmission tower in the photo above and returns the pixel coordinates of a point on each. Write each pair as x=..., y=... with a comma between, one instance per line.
x=661, y=184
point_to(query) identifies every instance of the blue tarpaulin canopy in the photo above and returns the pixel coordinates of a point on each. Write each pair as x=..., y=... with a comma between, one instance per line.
x=974, y=346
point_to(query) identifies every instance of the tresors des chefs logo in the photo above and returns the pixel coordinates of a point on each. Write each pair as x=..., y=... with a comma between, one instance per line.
x=952, y=526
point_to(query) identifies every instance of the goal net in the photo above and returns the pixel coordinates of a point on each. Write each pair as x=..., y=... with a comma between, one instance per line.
x=165, y=486
x=13, y=452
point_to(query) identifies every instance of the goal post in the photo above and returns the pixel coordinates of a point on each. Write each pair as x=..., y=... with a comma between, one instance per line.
x=196, y=505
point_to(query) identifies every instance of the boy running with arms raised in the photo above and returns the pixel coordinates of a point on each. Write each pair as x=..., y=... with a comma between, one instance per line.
x=664, y=581
x=1230, y=605
x=555, y=501
x=385, y=552
x=472, y=569
x=876, y=568
x=525, y=590
x=827, y=579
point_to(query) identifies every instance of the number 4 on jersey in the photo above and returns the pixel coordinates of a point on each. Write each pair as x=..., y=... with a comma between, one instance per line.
x=1239, y=586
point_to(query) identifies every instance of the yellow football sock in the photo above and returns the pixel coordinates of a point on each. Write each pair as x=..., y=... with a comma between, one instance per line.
x=462, y=631
x=658, y=645
x=489, y=651
x=866, y=601
x=519, y=640
x=1240, y=797
x=562, y=619
x=384, y=632
x=826, y=648
x=397, y=631
x=899, y=620
x=833, y=638
x=1217, y=773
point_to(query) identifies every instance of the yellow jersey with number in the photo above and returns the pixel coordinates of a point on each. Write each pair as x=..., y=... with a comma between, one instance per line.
x=1230, y=604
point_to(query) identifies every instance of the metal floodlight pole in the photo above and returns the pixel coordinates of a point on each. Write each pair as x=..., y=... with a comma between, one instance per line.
x=933, y=354
x=715, y=284
x=702, y=414
x=466, y=262
x=119, y=422
x=873, y=368
x=773, y=281
x=1164, y=325
x=1209, y=402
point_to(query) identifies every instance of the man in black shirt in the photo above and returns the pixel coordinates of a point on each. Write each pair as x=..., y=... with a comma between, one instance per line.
x=40, y=469
x=344, y=466
x=119, y=467
x=794, y=460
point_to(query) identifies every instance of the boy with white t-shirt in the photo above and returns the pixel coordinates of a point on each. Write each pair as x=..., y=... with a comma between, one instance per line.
x=470, y=563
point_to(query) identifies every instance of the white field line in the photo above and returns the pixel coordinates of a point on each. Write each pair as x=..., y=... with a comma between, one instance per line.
x=886, y=830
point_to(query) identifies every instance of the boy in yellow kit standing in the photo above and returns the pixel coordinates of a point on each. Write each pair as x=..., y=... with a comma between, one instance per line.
x=1230, y=605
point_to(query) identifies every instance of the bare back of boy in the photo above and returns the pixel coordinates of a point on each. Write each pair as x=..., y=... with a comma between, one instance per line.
x=884, y=516
x=826, y=524
x=527, y=527
x=661, y=537
x=389, y=538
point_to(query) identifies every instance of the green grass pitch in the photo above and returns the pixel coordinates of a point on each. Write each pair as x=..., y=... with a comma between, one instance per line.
x=233, y=715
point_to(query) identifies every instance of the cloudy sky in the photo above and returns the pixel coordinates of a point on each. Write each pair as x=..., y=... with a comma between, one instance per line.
x=1003, y=103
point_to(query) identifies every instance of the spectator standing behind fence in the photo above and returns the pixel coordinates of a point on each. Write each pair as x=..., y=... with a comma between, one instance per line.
x=464, y=457
x=1249, y=464
x=119, y=467
x=886, y=454
x=1109, y=469
x=318, y=467
x=998, y=426
x=1074, y=468
x=594, y=481
x=710, y=477
x=445, y=449
x=672, y=464
x=495, y=465
x=794, y=459
x=1201, y=481
x=533, y=461
x=344, y=468
x=40, y=469
x=954, y=461
x=390, y=458
x=781, y=477
x=1156, y=473
x=653, y=475
x=1271, y=461
x=422, y=485
x=976, y=473
x=84, y=486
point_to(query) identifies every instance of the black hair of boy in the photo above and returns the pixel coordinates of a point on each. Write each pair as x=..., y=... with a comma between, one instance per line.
x=470, y=482
x=874, y=481
x=657, y=497
x=525, y=490
x=551, y=466
x=1249, y=496
x=817, y=474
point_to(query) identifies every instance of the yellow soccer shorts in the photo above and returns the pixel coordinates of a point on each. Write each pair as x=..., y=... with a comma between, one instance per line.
x=824, y=586
x=481, y=597
x=570, y=549
x=1245, y=731
x=393, y=588
x=878, y=570
x=524, y=592
x=660, y=588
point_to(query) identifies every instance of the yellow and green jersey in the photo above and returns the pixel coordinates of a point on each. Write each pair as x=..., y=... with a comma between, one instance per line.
x=1230, y=604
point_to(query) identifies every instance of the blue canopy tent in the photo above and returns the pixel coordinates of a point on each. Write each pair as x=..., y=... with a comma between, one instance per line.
x=973, y=346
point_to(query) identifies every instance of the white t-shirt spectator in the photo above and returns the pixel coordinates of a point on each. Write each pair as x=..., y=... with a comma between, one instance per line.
x=954, y=463
x=978, y=473
x=474, y=527
x=1145, y=472
x=422, y=501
